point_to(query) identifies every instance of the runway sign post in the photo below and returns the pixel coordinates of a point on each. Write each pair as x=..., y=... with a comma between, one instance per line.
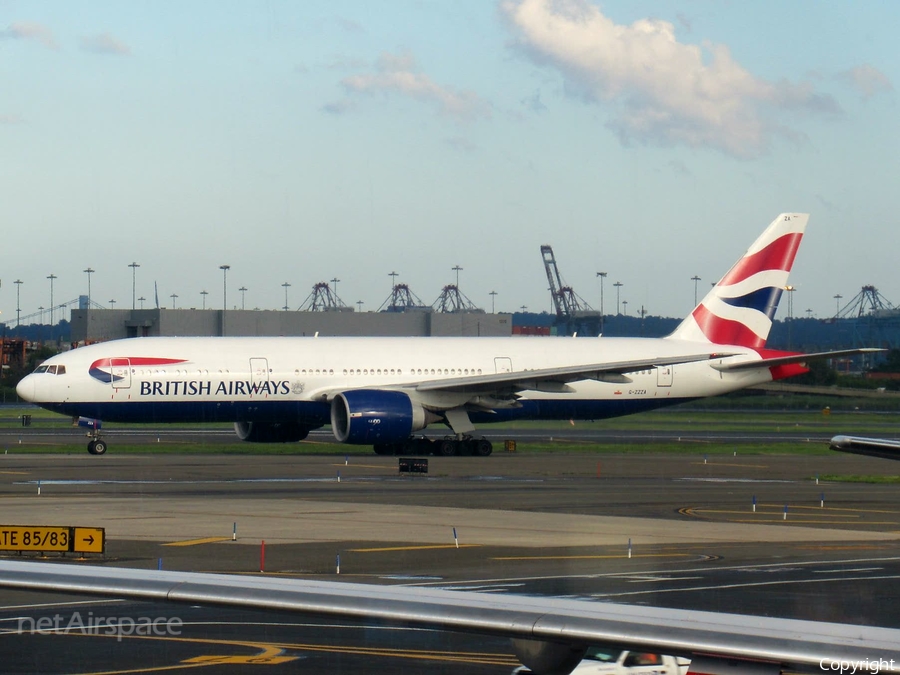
x=52, y=539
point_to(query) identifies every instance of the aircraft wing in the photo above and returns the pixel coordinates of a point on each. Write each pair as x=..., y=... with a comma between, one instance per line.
x=612, y=371
x=793, y=358
x=872, y=447
x=537, y=624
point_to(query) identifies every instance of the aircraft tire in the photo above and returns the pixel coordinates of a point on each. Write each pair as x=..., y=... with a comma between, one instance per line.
x=483, y=447
x=448, y=448
x=97, y=447
x=383, y=449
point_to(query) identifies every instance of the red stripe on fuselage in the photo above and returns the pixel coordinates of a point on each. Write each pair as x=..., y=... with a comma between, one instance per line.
x=135, y=361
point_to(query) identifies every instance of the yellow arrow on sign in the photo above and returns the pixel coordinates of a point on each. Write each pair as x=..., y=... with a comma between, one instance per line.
x=88, y=540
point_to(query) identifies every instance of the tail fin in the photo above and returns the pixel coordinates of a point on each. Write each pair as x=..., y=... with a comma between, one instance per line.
x=740, y=308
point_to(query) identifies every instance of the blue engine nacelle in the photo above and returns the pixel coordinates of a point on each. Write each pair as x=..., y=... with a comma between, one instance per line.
x=369, y=416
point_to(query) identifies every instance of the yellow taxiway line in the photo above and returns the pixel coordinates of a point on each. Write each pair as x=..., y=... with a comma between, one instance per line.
x=195, y=542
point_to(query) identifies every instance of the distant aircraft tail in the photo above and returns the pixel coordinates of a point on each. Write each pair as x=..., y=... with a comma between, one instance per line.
x=740, y=308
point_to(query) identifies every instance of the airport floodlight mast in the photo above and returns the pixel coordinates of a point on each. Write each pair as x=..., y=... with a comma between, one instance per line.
x=625, y=305
x=601, y=276
x=393, y=275
x=359, y=304
x=224, y=269
x=695, y=279
x=837, y=304
x=89, y=272
x=133, y=265
x=457, y=269
x=112, y=304
x=203, y=295
x=174, y=297
x=335, y=283
x=493, y=295
x=618, y=286
x=242, y=289
x=141, y=300
x=51, y=278
x=286, y=286
x=18, y=283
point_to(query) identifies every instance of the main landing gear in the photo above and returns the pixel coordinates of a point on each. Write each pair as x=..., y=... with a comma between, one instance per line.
x=445, y=447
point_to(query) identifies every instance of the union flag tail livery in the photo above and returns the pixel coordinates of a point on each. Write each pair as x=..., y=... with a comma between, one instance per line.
x=384, y=391
x=740, y=308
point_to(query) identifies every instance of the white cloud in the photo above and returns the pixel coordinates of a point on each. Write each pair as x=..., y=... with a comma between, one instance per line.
x=28, y=30
x=104, y=43
x=659, y=90
x=867, y=80
x=398, y=74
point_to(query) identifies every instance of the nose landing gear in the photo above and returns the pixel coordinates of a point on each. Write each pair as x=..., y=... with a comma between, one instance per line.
x=96, y=446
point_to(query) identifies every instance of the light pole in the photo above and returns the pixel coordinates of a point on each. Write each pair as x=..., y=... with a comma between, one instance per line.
x=618, y=285
x=242, y=289
x=837, y=304
x=695, y=279
x=457, y=269
x=133, y=265
x=524, y=308
x=141, y=300
x=625, y=303
x=602, y=276
x=112, y=304
x=790, y=290
x=173, y=296
x=224, y=269
x=18, y=283
x=286, y=286
x=335, y=282
x=51, y=278
x=393, y=276
x=359, y=303
x=204, y=293
x=493, y=295
x=89, y=272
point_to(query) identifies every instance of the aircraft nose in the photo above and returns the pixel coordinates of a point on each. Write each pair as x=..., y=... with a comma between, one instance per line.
x=25, y=388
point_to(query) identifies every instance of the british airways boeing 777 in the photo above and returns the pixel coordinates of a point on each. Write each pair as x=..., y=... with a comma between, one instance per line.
x=381, y=391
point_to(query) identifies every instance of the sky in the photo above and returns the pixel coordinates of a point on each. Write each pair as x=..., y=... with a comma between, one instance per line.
x=300, y=142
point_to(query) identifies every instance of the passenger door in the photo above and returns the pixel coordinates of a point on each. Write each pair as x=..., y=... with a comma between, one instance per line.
x=120, y=371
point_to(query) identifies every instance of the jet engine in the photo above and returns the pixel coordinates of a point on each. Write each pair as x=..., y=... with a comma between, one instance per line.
x=270, y=432
x=369, y=416
x=548, y=658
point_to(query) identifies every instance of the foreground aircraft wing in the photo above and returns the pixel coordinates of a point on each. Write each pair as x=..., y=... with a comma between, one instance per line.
x=530, y=379
x=552, y=629
x=793, y=358
x=872, y=447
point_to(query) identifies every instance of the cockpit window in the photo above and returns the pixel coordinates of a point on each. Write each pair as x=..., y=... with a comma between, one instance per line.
x=52, y=370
